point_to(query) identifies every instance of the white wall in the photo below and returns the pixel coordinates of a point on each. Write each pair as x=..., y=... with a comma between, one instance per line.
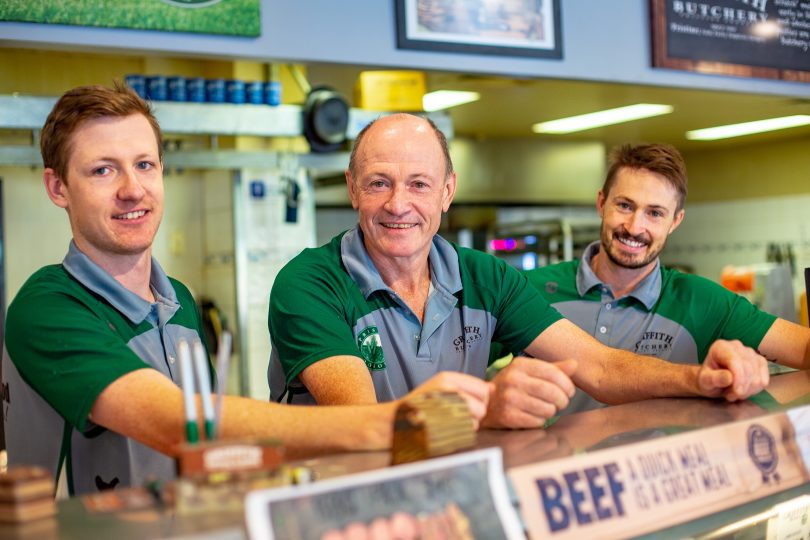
x=178, y=245
x=266, y=243
x=219, y=281
x=715, y=234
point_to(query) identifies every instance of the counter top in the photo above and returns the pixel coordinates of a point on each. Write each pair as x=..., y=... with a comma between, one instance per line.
x=568, y=435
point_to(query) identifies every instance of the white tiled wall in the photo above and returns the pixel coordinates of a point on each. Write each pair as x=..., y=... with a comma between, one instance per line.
x=269, y=242
x=178, y=245
x=715, y=234
x=219, y=281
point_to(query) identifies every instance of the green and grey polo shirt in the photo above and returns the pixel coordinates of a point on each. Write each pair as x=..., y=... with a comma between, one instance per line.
x=331, y=301
x=71, y=331
x=670, y=315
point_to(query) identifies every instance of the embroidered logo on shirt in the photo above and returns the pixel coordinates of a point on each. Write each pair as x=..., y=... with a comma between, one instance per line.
x=368, y=341
x=654, y=343
x=551, y=287
x=471, y=335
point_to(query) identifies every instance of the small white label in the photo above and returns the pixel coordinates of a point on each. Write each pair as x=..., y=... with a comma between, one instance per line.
x=792, y=520
x=233, y=458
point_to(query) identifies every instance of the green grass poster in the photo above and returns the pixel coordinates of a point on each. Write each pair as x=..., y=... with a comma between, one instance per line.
x=232, y=17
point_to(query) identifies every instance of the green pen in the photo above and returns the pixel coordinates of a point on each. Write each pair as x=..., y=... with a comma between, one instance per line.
x=187, y=382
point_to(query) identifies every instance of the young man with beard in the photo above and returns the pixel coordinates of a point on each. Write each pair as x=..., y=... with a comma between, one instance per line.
x=621, y=294
x=389, y=303
x=90, y=377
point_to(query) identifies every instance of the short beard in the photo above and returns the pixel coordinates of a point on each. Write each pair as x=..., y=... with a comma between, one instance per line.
x=631, y=265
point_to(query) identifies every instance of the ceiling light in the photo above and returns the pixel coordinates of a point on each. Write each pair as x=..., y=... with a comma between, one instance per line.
x=444, y=99
x=748, y=128
x=602, y=118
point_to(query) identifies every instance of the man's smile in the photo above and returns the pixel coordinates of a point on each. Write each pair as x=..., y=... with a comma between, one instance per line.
x=398, y=225
x=629, y=241
x=131, y=215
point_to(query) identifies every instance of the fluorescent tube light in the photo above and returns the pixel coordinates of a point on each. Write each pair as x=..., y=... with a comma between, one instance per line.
x=602, y=118
x=444, y=99
x=748, y=128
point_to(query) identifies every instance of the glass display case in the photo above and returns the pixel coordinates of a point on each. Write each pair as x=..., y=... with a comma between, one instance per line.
x=775, y=514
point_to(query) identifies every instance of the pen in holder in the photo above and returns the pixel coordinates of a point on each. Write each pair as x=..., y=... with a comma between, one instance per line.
x=215, y=475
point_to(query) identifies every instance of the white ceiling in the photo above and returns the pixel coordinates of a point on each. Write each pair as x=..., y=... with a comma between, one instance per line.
x=509, y=107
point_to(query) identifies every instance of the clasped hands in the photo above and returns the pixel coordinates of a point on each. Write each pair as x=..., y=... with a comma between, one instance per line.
x=529, y=391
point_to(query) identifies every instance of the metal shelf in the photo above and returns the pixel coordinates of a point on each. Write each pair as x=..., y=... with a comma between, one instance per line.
x=208, y=119
x=27, y=112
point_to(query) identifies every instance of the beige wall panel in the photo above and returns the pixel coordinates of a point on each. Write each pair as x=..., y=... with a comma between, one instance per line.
x=36, y=232
x=744, y=171
x=527, y=171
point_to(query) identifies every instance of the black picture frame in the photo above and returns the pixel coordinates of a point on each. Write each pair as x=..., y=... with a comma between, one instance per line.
x=527, y=28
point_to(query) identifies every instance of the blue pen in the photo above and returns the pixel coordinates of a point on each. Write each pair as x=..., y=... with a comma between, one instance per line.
x=204, y=382
x=187, y=382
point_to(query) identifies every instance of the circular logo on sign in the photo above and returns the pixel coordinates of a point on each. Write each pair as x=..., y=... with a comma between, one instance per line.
x=192, y=3
x=762, y=451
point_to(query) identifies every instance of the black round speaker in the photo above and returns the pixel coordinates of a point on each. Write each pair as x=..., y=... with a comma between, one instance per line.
x=326, y=117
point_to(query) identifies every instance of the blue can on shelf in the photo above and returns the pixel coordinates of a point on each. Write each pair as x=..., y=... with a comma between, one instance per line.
x=177, y=89
x=137, y=83
x=195, y=89
x=272, y=93
x=235, y=91
x=254, y=92
x=215, y=90
x=156, y=88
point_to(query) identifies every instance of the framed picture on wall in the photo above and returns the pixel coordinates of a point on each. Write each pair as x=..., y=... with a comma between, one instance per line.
x=229, y=17
x=504, y=27
x=729, y=37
